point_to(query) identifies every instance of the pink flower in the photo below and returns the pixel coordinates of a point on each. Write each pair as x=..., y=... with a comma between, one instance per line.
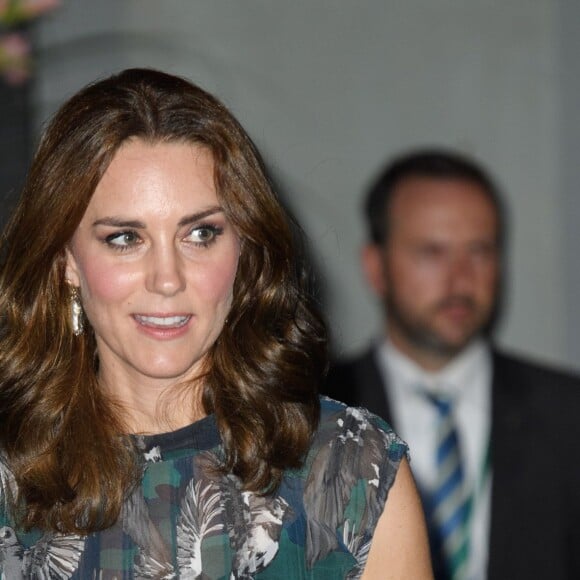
x=14, y=58
x=35, y=7
x=12, y=11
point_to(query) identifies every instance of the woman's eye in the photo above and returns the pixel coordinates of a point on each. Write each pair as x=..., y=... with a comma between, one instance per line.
x=122, y=239
x=204, y=235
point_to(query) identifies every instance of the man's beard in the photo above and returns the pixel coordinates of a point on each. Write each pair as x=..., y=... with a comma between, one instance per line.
x=421, y=334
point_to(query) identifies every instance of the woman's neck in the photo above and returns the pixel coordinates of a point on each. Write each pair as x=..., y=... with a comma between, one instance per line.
x=152, y=406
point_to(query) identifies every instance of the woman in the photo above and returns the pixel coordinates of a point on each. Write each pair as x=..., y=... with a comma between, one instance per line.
x=160, y=363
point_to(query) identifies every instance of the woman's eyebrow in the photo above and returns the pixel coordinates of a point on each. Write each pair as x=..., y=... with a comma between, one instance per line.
x=199, y=216
x=120, y=222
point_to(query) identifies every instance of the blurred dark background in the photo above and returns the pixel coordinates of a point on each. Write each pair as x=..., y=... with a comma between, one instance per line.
x=331, y=89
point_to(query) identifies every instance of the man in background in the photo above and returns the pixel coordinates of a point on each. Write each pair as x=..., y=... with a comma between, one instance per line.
x=494, y=440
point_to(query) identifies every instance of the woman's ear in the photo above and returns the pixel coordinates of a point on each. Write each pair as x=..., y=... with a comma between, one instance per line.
x=373, y=265
x=72, y=271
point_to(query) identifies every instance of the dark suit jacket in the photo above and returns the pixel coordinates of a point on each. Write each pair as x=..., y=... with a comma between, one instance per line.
x=535, y=457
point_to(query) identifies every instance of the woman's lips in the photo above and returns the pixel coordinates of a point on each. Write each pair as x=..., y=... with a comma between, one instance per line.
x=173, y=320
x=163, y=326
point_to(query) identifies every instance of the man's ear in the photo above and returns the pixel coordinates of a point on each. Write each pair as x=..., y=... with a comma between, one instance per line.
x=72, y=271
x=373, y=264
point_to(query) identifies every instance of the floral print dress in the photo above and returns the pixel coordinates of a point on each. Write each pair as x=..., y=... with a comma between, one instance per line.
x=186, y=521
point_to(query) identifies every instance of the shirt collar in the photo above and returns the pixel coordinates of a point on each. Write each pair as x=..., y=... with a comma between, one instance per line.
x=450, y=380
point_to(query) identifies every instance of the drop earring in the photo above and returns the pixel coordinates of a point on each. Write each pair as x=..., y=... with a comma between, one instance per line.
x=76, y=312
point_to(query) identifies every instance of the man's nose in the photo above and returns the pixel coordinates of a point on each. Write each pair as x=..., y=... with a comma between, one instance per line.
x=461, y=272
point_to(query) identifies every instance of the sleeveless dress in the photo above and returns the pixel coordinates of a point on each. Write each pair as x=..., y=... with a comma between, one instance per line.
x=187, y=521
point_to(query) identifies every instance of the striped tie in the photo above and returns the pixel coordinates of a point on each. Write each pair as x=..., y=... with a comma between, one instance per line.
x=448, y=507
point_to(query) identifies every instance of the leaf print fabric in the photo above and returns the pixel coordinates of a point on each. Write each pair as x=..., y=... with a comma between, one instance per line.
x=200, y=511
x=53, y=556
x=188, y=521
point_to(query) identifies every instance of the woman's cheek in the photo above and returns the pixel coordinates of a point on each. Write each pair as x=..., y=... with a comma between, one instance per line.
x=108, y=282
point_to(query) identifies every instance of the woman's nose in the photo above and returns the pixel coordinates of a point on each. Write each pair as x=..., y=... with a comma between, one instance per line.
x=165, y=276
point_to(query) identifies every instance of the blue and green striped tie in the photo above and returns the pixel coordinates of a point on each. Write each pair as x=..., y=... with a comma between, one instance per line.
x=449, y=506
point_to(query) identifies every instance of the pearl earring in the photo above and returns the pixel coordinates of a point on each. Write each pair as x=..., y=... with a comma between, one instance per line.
x=76, y=312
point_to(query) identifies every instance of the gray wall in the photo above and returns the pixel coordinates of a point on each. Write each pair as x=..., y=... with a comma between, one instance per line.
x=330, y=88
x=569, y=168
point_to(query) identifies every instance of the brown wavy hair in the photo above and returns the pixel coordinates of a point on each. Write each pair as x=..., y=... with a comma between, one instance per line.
x=61, y=437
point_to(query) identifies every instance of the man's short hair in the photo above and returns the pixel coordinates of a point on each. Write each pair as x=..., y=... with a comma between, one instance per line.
x=432, y=164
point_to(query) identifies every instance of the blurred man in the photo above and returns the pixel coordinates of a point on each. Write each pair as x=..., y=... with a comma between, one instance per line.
x=495, y=440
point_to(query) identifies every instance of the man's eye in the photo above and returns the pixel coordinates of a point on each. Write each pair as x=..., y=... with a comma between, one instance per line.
x=483, y=250
x=431, y=252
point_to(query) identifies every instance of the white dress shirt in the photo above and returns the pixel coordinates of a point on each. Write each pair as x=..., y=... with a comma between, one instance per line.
x=467, y=380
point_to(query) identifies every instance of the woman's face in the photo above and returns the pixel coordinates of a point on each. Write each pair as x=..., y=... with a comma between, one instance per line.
x=155, y=259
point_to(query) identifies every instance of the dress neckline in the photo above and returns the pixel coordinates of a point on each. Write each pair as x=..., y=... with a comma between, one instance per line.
x=201, y=435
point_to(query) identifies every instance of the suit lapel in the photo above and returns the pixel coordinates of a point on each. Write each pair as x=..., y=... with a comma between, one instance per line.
x=370, y=384
x=507, y=493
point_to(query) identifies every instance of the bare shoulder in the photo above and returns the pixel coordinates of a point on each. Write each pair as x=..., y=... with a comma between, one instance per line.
x=399, y=549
